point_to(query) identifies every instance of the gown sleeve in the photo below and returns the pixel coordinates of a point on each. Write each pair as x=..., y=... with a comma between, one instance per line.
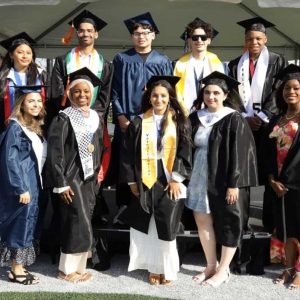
x=57, y=138
x=11, y=147
x=183, y=160
x=117, y=86
x=242, y=167
x=103, y=98
x=58, y=82
x=128, y=153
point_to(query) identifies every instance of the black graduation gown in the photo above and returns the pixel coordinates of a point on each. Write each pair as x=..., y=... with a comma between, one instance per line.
x=167, y=212
x=63, y=168
x=231, y=163
x=290, y=177
x=59, y=81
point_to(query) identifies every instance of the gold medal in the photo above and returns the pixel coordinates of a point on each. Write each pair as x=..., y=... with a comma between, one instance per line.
x=91, y=148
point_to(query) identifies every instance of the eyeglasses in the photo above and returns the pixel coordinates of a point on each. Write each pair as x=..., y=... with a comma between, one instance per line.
x=143, y=34
x=82, y=31
x=196, y=37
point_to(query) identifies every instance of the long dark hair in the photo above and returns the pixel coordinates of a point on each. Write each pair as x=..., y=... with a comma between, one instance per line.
x=280, y=103
x=7, y=64
x=178, y=114
x=233, y=99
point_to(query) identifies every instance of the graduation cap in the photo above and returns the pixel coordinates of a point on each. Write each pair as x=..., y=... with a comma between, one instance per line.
x=27, y=89
x=171, y=79
x=85, y=73
x=145, y=18
x=87, y=17
x=255, y=24
x=84, y=17
x=185, y=36
x=18, y=37
x=290, y=72
x=211, y=79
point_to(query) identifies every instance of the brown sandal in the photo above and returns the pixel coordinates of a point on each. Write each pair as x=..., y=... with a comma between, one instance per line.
x=295, y=285
x=154, y=279
x=285, y=277
x=73, y=277
x=164, y=281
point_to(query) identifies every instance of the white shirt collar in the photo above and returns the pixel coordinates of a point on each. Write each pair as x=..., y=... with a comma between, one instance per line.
x=208, y=118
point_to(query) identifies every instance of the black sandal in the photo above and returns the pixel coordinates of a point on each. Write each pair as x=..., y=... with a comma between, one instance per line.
x=28, y=278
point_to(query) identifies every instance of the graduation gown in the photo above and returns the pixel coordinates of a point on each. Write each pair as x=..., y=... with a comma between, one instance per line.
x=276, y=64
x=167, y=212
x=231, y=163
x=19, y=173
x=59, y=82
x=63, y=168
x=131, y=74
x=290, y=177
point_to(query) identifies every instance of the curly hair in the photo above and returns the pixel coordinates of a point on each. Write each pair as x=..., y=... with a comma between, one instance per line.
x=197, y=23
x=179, y=117
x=7, y=64
x=34, y=124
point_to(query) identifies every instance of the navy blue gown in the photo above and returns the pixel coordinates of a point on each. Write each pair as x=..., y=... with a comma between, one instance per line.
x=19, y=173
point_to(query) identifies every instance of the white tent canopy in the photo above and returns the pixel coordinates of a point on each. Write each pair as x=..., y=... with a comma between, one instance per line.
x=48, y=23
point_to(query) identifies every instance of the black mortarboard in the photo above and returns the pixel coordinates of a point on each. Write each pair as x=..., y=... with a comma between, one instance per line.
x=255, y=24
x=87, y=17
x=85, y=73
x=210, y=79
x=171, y=79
x=145, y=18
x=184, y=35
x=20, y=36
x=290, y=72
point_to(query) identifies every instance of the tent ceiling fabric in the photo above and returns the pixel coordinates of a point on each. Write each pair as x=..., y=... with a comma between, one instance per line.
x=50, y=23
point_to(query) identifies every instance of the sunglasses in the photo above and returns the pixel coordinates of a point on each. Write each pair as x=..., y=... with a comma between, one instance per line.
x=196, y=37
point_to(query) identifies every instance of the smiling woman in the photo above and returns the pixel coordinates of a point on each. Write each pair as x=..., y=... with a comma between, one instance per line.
x=22, y=156
x=282, y=163
x=18, y=68
x=75, y=149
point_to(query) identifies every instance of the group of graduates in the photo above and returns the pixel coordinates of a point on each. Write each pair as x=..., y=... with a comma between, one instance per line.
x=188, y=135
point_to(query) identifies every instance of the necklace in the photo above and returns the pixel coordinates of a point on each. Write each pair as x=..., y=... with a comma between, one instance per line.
x=291, y=117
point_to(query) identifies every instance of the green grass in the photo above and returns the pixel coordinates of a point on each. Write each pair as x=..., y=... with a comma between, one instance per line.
x=70, y=296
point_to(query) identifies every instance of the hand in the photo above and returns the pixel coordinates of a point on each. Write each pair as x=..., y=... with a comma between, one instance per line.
x=174, y=190
x=24, y=198
x=135, y=190
x=278, y=188
x=232, y=195
x=123, y=122
x=254, y=123
x=66, y=196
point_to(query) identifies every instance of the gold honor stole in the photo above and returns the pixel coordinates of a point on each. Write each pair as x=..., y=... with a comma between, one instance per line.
x=149, y=147
x=96, y=66
x=180, y=70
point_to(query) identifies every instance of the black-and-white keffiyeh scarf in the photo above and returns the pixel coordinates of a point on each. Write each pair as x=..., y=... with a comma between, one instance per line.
x=84, y=129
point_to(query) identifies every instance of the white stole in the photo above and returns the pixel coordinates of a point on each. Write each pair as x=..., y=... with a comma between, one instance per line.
x=252, y=95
